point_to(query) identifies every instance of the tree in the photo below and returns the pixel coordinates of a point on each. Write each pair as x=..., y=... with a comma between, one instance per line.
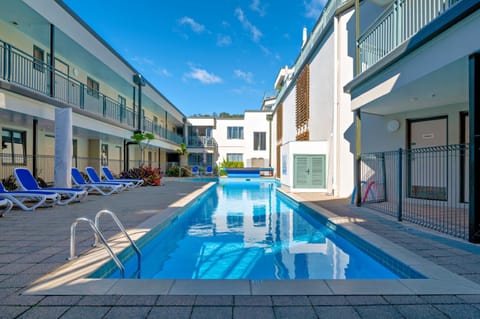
x=143, y=140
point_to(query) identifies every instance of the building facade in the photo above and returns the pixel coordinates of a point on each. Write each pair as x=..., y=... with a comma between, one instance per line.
x=68, y=99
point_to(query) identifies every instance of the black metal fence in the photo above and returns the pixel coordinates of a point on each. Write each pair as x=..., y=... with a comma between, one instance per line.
x=426, y=186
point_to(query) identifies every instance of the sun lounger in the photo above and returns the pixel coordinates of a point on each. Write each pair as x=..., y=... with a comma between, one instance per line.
x=94, y=178
x=6, y=205
x=101, y=188
x=110, y=178
x=27, y=182
x=209, y=170
x=195, y=170
x=29, y=200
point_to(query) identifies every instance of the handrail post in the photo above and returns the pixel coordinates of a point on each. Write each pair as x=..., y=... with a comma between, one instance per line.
x=122, y=229
x=400, y=183
x=102, y=239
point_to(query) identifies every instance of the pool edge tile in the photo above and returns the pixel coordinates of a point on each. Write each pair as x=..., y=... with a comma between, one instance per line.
x=210, y=287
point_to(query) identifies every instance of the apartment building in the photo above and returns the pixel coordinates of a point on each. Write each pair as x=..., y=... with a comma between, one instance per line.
x=313, y=140
x=246, y=139
x=415, y=98
x=68, y=99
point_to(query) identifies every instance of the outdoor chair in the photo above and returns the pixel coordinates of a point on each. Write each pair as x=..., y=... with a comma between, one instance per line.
x=27, y=182
x=195, y=171
x=6, y=205
x=209, y=171
x=110, y=178
x=100, y=188
x=29, y=200
x=95, y=178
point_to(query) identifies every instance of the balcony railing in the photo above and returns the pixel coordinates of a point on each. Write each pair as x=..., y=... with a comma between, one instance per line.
x=398, y=23
x=201, y=141
x=158, y=130
x=22, y=69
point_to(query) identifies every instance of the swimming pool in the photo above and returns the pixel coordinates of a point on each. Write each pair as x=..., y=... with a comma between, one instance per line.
x=246, y=229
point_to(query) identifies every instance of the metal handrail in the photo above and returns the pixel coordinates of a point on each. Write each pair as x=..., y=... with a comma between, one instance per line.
x=102, y=239
x=122, y=229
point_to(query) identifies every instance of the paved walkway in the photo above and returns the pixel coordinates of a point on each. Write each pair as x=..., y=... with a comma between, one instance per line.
x=33, y=244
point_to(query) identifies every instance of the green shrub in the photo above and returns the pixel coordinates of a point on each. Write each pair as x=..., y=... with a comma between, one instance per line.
x=174, y=171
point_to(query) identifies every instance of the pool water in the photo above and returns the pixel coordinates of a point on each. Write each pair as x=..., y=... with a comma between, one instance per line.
x=249, y=230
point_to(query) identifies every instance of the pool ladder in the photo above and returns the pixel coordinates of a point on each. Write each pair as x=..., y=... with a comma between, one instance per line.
x=99, y=237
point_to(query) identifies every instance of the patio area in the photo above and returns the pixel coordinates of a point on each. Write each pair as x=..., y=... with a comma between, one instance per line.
x=33, y=244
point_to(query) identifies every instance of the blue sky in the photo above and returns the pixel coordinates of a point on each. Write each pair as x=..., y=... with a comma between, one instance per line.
x=205, y=56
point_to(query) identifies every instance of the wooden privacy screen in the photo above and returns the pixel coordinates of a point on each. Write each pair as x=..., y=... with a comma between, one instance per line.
x=302, y=110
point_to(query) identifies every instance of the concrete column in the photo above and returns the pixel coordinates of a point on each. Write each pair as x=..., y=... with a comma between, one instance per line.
x=63, y=147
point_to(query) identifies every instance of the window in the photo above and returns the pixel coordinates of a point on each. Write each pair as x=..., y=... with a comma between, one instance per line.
x=104, y=155
x=38, y=56
x=259, y=141
x=92, y=87
x=13, y=147
x=122, y=102
x=234, y=157
x=235, y=132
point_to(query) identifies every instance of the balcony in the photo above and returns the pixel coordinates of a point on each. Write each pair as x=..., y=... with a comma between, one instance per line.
x=22, y=69
x=396, y=25
x=201, y=142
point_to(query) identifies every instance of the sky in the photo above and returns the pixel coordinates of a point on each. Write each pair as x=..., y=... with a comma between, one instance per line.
x=205, y=56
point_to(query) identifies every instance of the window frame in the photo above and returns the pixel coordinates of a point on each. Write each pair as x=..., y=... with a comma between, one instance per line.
x=14, y=159
x=38, y=61
x=235, y=133
x=263, y=142
x=91, y=89
x=229, y=155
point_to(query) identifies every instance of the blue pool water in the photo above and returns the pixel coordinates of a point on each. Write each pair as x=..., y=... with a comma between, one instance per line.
x=248, y=230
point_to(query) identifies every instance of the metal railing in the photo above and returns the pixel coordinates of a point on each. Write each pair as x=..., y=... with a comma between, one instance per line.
x=426, y=186
x=201, y=141
x=45, y=165
x=17, y=66
x=398, y=23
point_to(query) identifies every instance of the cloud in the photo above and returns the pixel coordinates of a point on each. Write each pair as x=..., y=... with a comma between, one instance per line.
x=163, y=72
x=246, y=76
x=223, y=40
x=141, y=60
x=247, y=25
x=194, y=25
x=203, y=76
x=313, y=8
x=257, y=7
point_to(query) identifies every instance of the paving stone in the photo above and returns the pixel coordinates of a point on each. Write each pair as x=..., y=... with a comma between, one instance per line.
x=44, y=312
x=98, y=300
x=7, y=312
x=329, y=312
x=128, y=313
x=461, y=311
x=253, y=301
x=211, y=312
x=214, y=301
x=420, y=312
x=470, y=298
x=328, y=300
x=253, y=313
x=170, y=312
x=60, y=301
x=18, y=280
x=84, y=312
x=366, y=300
x=14, y=268
x=136, y=300
x=378, y=311
x=295, y=312
x=175, y=301
x=404, y=300
x=438, y=299
x=8, y=258
x=20, y=300
x=291, y=301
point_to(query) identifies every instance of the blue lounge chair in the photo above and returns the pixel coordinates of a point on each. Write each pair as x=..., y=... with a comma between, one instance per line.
x=29, y=200
x=100, y=188
x=94, y=178
x=110, y=178
x=27, y=182
x=6, y=205
x=209, y=170
x=195, y=170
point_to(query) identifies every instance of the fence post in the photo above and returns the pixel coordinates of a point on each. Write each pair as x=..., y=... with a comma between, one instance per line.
x=400, y=182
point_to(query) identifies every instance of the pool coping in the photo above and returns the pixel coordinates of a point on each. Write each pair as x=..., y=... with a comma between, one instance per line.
x=70, y=279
